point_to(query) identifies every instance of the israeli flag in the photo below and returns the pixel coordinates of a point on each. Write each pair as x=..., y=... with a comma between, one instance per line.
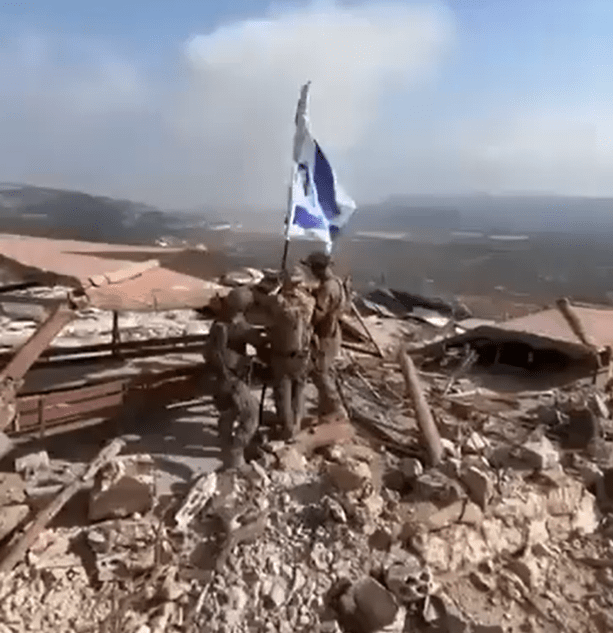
x=318, y=207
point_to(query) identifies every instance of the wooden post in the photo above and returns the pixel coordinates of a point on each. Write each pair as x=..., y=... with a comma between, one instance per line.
x=18, y=550
x=116, y=337
x=423, y=414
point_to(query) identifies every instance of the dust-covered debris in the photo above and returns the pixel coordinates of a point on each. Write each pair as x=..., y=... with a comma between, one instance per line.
x=346, y=528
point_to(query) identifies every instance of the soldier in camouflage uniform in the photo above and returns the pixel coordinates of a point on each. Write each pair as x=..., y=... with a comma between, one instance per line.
x=226, y=355
x=290, y=314
x=330, y=302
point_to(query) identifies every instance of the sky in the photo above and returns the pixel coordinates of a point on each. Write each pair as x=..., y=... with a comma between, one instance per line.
x=186, y=103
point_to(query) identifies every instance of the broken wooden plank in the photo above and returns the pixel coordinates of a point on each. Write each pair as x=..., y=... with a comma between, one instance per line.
x=23, y=544
x=423, y=414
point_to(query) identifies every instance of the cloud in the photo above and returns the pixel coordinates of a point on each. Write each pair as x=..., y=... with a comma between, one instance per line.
x=555, y=150
x=244, y=79
x=222, y=129
x=217, y=130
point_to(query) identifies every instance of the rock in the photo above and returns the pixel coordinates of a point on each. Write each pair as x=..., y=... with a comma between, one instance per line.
x=334, y=510
x=540, y=454
x=11, y=517
x=586, y=518
x=528, y=570
x=375, y=607
x=199, y=495
x=277, y=594
x=123, y=488
x=449, y=448
x=123, y=547
x=476, y=443
x=591, y=474
x=480, y=486
x=408, y=580
x=350, y=475
x=31, y=465
x=411, y=468
x=6, y=445
x=472, y=514
x=291, y=459
x=445, y=516
x=434, y=485
x=381, y=539
x=582, y=428
x=607, y=484
x=12, y=489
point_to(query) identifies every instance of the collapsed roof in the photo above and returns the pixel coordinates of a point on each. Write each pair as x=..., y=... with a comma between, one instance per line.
x=117, y=277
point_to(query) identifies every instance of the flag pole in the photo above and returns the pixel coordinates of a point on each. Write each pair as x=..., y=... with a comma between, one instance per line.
x=287, y=221
x=299, y=123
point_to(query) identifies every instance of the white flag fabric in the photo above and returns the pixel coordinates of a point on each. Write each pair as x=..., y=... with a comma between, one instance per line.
x=318, y=206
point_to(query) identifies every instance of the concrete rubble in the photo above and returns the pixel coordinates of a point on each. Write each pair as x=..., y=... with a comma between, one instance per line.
x=347, y=528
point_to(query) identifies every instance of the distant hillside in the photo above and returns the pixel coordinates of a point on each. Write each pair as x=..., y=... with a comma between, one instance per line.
x=533, y=213
x=73, y=214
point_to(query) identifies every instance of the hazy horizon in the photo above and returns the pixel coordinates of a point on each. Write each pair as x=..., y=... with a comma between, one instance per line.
x=191, y=104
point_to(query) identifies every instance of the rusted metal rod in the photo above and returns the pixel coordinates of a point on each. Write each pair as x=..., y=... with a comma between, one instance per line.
x=423, y=414
x=19, y=549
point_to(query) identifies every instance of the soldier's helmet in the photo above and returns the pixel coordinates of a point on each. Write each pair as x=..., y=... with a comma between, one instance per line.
x=239, y=299
x=317, y=261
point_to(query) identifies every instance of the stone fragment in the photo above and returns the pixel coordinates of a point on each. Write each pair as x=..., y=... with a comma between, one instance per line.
x=480, y=486
x=6, y=445
x=123, y=488
x=12, y=489
x=582, y=428
x=528, y=570
x=435, y=486
x=122, y=548
x=291, y=459
x=450, y=449
x=408, y=580
x=476, y=443
x=607, y=484
x=197, y=498
x=31, y=465
x=472, y=514
x=540, y=454
x=334, y=510
x=445, y=516
x=349, y=476
x=376, y=607
x=411, y=468
x=11, y=517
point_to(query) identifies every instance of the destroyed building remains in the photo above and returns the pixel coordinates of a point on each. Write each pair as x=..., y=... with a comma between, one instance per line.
x=437, y=505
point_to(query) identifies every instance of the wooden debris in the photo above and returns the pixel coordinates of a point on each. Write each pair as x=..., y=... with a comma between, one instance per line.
x=23, y=544
x=358, y=316
x=199, y=495
x=423, y=414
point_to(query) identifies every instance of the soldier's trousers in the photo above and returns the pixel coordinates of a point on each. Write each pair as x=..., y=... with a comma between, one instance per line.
x=238, y=423
x=289, y=380
x=324, y=379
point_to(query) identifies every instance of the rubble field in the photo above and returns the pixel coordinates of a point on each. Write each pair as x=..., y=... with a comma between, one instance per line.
x=359, y=525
